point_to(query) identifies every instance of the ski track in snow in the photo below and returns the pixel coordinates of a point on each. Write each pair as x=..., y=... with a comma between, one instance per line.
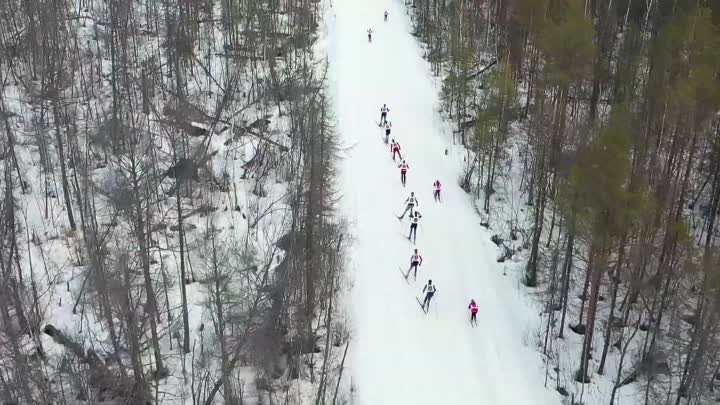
x=399, y=354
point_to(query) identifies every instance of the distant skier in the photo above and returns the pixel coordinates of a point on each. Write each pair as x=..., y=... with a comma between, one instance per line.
x=473, y=311
x=383, y=114
x=436, y=190
x=429, y=291
x=388, y=125
x=414, y=221
x=415, y=261
x=386, y=14
x=403, y=170
x=410, y=203
x=369, y=31
x=395, y=149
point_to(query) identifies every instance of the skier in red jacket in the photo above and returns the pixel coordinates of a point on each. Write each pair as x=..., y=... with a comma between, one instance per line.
x=473, y=311
x=403, y=171
x=395, y=148
x=436, y=190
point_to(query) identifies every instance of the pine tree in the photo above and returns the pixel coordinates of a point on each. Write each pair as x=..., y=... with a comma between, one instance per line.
x=566, y=43
x=603, y=206
x=497, y=109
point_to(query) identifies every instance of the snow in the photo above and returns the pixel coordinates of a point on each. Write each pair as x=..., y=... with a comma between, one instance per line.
x=399, y=354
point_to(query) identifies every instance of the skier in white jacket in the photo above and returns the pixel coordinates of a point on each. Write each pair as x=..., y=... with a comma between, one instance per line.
x=410, y=203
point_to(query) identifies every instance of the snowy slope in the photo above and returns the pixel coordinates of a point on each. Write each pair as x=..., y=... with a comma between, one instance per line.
x=400, y=355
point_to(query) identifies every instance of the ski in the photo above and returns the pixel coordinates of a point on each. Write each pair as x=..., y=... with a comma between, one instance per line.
x=421, y=305
x=399, y=160
x=407, y=237
x=403, y=274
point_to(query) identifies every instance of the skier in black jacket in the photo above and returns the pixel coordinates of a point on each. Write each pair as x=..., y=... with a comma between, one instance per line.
x=429, y=291
x=414, y=221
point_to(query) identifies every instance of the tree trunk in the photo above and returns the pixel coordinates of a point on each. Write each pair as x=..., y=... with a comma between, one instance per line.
x=614, y=280
x=567, y=270
x=586, y=285
x=183, y=273
x=596, y=278
x=141, y=238
x=63, y=169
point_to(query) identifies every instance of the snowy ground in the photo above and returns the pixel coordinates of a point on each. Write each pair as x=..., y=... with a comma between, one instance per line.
x=61, y=275
x=401, y=355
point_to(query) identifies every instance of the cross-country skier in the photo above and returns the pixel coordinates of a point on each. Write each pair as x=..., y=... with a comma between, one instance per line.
x=429, y=291
x=414, y=221
x=388, y=125
x=403, y=171
x=473, y=311
x=395, y=149
x=436, y=190
x=415, y=261
x=383, y=113
x=369, y=31
x=386, y=14
x=410, y=203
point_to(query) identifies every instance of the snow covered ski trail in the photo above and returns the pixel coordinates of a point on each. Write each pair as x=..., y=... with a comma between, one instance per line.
x=401, y=355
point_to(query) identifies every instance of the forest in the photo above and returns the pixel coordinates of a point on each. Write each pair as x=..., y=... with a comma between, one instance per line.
x=592, y=138
x=168, y=231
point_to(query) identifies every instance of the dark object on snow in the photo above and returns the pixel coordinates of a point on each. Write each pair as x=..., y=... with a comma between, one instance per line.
x=583, y=379
x=481, y=71
x=186, y=169
x=186, y=227
x=506, y=251
x=655, y=364
x=63, y=340
x=109, y=384
x=631, y=378
x=690, y=319
x=506, y=254
x=260, y=123
x=579, y=329
x=284, y=242
x=617, y=322
x=193, y=129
